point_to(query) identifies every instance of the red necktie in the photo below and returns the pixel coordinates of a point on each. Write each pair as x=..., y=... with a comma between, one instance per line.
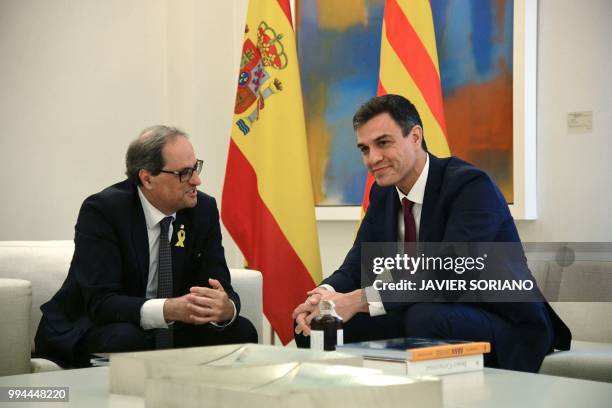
x=409, y=224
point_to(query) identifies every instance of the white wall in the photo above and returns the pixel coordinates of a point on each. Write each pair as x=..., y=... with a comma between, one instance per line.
x=80, y=78
x=574, y=171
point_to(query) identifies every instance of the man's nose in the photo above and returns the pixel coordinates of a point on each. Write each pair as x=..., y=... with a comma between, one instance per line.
x=195, y=180
x=375, y=156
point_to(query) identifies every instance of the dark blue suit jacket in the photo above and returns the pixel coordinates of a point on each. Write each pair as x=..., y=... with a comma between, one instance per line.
x=461, y=204
x=108, y=275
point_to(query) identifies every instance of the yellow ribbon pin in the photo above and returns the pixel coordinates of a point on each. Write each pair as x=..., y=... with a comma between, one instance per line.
x=181, y=238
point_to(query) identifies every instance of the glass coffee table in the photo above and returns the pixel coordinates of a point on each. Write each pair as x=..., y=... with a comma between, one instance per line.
x=89, y=387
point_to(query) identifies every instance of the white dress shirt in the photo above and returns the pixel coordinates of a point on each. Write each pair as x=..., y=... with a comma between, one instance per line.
x=416, y=194
x=152, y=311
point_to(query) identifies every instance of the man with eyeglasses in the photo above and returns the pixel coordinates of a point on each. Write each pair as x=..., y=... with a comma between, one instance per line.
x=148, y=270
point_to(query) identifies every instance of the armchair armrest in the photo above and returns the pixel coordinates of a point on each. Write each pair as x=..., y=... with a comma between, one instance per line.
x=15, y=304
x=248, y=284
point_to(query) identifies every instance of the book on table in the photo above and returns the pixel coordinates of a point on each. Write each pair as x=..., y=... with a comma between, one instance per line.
x=438, y=366
x=415, y=356
x=415, y=349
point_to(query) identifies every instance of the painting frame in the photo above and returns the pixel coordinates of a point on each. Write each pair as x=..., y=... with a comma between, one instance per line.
x=524, y=118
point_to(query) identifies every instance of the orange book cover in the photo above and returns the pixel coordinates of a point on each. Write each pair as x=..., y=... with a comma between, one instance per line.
x=415, y=349
x=449, y=350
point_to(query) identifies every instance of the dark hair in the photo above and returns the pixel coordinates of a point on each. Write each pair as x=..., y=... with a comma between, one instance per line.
x=399, y=108
x=146, y=151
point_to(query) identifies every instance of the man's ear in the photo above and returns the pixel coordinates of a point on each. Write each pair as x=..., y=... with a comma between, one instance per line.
x=145, y=177
x=417, y=134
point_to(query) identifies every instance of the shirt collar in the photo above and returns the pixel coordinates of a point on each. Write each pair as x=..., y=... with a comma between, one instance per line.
x=152, y=215
x=417, y=192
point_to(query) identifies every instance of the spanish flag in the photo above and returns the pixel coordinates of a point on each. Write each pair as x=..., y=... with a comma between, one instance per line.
x=267, y=203
x=409, y=67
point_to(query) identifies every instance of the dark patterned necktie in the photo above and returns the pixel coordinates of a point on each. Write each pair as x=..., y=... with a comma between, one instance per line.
x=409, y=224
x=164, y=337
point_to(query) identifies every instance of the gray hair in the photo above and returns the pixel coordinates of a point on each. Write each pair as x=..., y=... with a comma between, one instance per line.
x=146, y=151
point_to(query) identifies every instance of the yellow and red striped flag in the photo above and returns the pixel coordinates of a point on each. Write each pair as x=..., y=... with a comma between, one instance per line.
x=267, y=204
x=409, y=67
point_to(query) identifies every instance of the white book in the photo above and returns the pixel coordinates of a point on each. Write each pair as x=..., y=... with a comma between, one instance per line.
x=441, y=366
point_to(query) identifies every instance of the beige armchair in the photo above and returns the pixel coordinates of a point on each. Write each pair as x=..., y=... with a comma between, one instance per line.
x=32, y=271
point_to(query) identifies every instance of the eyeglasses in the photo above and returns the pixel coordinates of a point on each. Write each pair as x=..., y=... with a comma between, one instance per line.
x=186, y=174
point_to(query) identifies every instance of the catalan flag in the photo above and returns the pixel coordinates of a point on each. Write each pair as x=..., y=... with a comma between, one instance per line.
x=409, y=67
x=267, y=203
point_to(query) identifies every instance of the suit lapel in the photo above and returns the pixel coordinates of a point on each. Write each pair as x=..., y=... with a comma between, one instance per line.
x=389, y=208
x=432, y=193
x=140, y=239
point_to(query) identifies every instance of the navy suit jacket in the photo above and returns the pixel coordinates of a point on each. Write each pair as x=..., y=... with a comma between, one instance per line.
x=461, y=204
x=108, y=275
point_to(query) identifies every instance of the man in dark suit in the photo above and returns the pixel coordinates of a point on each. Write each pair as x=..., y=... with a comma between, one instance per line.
x=418, y=197
x=148, y=269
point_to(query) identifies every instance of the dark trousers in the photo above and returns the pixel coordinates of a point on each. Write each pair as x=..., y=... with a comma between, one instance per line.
x=452, y=321
x=119, y=337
